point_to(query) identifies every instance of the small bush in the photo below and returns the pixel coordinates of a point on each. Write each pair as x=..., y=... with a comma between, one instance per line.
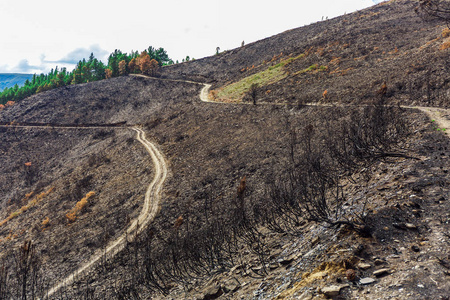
x=213, y=95
x=46, y=222
x=71, y=217
x=445, y=45
x=80, y=207
x=312, y=67
x=14, y=215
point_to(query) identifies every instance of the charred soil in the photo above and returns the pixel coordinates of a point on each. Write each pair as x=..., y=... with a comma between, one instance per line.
x=230, y=224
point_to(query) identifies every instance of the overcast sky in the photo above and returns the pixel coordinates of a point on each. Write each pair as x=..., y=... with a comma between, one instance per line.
x=37, y=35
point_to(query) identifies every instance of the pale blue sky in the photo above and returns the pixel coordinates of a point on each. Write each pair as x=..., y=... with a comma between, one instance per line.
x=39, y=35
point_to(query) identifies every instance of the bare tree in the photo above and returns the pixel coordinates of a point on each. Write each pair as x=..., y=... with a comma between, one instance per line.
x=26, y=268
x=253, y=92
x=3, y=282
x=319, y=161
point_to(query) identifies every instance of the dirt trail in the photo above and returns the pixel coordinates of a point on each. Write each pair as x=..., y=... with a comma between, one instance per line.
x=440, y=115
x=204, y=94
x=153, y=194
x=150, y=209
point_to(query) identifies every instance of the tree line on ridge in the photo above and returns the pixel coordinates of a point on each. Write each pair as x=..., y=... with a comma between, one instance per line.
x=147, y=62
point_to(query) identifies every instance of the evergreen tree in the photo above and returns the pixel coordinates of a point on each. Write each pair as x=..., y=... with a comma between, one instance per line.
x=91, y=70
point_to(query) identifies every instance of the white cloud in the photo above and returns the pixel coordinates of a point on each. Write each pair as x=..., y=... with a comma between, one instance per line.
x=44, y=65
x=24, y=67
x=78, y=54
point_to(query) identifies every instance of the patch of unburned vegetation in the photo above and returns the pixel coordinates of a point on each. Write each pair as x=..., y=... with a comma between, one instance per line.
x=236, y=91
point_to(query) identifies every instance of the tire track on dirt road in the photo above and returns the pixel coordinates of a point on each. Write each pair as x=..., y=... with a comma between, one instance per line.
x=150, y=208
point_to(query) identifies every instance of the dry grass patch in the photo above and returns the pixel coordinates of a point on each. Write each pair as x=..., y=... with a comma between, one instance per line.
x=79, y=207
x=30, y=204
x=445, y=45
x=324, y=272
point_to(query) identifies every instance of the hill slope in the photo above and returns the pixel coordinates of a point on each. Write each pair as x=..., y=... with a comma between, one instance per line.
x=385, y=43
x=211, y=147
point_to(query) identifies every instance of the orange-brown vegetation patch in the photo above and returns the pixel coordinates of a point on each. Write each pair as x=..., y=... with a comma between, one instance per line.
x=445, y=45
x=79, y=207
x=45, y=223
x=35, y=201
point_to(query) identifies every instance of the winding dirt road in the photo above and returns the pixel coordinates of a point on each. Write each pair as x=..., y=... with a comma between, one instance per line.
x=152, y=197
x=150, y=209
x=440, y=115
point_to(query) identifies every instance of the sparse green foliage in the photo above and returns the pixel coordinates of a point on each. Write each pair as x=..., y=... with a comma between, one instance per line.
x=160, y=55
x=312, y=67
x=236, y=91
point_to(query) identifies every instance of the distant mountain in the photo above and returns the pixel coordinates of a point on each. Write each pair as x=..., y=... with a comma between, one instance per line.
x=11, y=79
